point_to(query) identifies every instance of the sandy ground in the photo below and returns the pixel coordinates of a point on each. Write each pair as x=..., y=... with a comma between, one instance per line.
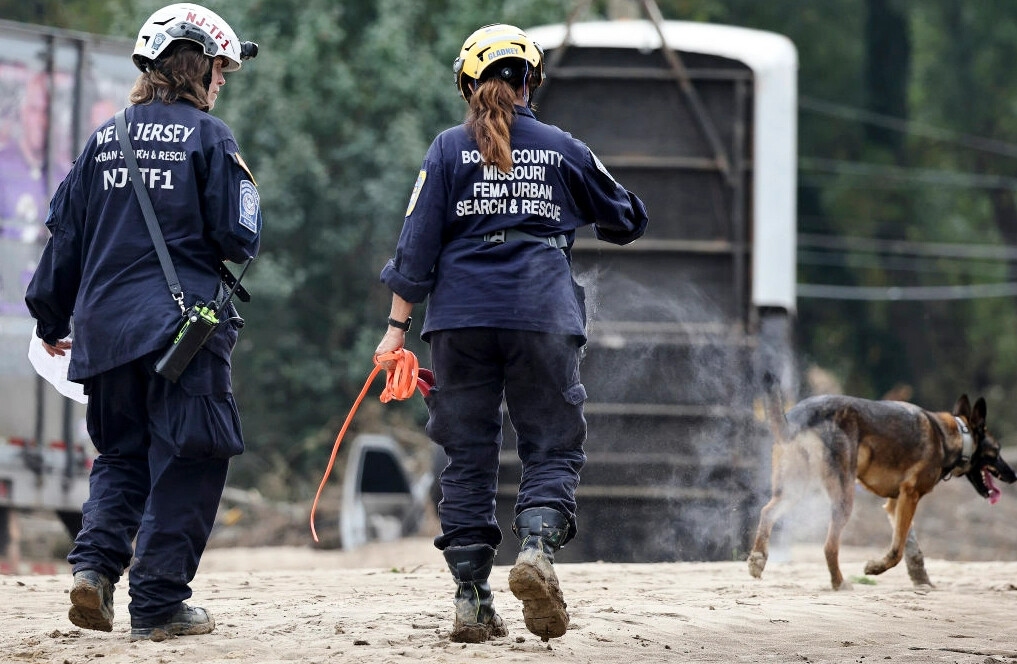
x=392, y=603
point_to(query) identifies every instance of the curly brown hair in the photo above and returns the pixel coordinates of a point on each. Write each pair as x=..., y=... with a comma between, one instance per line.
x=180, y=73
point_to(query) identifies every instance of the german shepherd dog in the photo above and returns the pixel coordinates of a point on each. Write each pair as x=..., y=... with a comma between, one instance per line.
x=896, y=450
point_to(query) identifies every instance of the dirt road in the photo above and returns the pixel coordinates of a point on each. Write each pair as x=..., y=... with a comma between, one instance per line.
x=392, y=603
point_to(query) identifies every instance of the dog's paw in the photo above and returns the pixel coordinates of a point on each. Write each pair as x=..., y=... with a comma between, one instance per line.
x=757, y=563
x=844, y=585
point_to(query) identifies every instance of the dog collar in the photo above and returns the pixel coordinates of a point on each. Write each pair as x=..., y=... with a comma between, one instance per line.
x=967, y=449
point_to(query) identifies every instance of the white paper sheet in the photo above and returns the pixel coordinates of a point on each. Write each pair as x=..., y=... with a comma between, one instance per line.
x=54, y=369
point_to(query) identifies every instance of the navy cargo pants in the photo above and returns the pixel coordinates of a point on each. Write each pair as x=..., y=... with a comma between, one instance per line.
x=537, y=375
x=163, y=456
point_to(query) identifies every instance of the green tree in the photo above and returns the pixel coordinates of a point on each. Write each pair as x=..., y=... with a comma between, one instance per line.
x=337, y=110
x=81, y=15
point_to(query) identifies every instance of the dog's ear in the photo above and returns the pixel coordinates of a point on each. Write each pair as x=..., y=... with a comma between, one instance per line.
x=963, y=407
x=977, y=417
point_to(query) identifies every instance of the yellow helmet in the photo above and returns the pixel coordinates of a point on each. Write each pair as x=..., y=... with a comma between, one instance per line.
x=491, y=44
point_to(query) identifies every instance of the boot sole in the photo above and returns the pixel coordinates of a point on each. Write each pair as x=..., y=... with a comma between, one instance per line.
x=478, y=632
x=87, y=610
x=163, y=632
x=543, y=605
x=470, y=633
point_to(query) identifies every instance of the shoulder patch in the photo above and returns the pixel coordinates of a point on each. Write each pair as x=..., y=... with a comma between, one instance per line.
x=416, y=192
x=243, y=164
x=601, y=167
x=250, y=205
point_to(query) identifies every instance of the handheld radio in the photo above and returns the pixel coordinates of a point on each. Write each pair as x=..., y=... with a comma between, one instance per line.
x=200, y=323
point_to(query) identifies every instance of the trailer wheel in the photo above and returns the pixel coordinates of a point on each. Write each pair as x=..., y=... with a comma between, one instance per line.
x=71, y=521
x=5, y=530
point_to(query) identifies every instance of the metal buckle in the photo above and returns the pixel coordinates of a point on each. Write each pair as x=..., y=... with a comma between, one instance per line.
x=498, y=237
x=179, y=299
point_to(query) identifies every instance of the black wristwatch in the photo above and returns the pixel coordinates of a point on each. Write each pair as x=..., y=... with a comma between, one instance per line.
x=403, y=325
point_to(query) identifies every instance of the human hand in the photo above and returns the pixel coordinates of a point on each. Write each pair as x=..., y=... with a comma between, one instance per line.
x=58, y=349
x=394, y=339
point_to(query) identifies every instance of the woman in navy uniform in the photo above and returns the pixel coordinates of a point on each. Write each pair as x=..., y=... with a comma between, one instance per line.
x=487, y=238
x=164, y=447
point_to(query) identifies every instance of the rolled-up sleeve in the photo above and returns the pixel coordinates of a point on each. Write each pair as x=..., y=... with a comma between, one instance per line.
x=619, y=216
x=633, y=222
x=410, y=273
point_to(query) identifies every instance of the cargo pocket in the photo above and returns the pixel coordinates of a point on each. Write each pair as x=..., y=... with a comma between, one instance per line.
x=204, y=422
x=225, y=338
x=437, y=427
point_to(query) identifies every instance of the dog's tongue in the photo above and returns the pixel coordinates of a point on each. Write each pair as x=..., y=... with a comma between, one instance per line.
x=993, y=491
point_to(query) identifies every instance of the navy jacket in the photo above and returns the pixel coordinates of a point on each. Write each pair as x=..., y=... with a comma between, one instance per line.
x=99, y=266
x=556, y=185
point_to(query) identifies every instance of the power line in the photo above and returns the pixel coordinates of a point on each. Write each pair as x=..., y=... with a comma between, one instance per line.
x=906, y=293
x=908, y=126
x=816, y=181
x=908, y=247
x=922, y=265
x=900, y=173
x=893, y=176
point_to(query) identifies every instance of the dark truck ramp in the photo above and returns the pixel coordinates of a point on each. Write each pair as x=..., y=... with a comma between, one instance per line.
x=683, y=321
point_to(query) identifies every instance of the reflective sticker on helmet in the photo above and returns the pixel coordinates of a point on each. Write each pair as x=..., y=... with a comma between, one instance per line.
x=250, y=204
x=504, y=52
x=416, y=192
x=243, y=164
x=601, y=167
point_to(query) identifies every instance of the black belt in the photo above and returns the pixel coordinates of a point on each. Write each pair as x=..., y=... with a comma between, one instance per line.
x=514, y=235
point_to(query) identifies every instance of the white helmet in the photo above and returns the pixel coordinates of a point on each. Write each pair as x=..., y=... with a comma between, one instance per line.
x=192, y=23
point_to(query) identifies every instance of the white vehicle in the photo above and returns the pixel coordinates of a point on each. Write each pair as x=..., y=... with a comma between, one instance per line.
x=55, y=87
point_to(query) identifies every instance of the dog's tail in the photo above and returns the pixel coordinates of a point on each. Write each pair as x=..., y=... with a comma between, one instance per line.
x=774, y=405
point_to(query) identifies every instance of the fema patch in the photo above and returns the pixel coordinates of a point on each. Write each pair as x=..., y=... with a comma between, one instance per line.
x=250, y=204
x=416, y=192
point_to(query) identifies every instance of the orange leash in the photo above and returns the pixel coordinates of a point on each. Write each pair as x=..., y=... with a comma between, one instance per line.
x=400, y=382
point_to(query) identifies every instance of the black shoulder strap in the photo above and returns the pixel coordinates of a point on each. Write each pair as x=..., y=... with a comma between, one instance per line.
x=148, y=211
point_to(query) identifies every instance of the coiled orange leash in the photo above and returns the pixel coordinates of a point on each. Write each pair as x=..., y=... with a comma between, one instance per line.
x=402, y=379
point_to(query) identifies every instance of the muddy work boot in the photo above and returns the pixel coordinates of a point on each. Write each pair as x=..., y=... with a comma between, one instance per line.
x=186, y=621
x=541, y=531
x=476, y=620
x=91, y=601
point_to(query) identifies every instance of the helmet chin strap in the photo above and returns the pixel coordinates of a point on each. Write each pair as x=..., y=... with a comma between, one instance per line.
x=526, y=77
